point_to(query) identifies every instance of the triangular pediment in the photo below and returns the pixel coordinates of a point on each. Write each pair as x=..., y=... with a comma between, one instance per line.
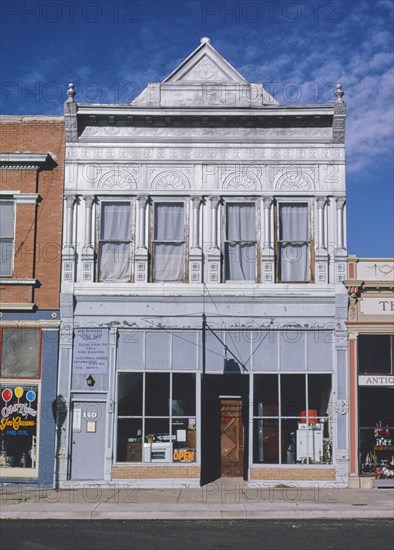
x=205, y=64
x=204, y=79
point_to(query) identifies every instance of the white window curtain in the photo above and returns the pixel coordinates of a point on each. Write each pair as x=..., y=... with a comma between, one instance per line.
x=115, y=241
x=169, y=245
x=294, y=242
x=240, y=246
x=7, y=225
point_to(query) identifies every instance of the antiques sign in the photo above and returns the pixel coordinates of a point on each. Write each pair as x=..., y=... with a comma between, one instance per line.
x=90, y=351
x=377, y=306
x=376, y=380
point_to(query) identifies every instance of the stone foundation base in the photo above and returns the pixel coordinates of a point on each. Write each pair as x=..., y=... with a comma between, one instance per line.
x=293, y=474
x=156, y=472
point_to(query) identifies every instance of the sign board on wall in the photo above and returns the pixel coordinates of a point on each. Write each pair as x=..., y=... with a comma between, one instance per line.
x=90, y=351
x=377, y=306
x=376, y=380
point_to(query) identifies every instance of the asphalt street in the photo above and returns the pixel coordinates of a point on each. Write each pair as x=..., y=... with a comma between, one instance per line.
x=197, y=535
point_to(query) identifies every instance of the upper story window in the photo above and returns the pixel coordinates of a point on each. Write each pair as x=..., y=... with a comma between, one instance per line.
x=293, y=243
x=376, y=354
x=7, y=235
x=115, y=241
x=168, y=247
x=240, y=242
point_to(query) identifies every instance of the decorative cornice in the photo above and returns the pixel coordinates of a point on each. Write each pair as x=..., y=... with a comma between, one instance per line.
x=20, y=198
x=26, y=161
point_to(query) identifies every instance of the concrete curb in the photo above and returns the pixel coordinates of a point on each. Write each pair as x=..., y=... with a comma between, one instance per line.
x=192, y=516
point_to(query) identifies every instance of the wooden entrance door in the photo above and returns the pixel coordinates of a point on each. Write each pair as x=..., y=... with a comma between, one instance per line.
x=231, y=438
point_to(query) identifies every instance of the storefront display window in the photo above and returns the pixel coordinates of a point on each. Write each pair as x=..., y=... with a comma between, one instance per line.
x=18, y=426
x=292, y=421
x=376, y=398
x=20, y=352
x=156, y=417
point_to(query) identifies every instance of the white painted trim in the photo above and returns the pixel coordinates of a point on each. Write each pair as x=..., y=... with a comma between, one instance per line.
x=11, y=281
x=18, y=307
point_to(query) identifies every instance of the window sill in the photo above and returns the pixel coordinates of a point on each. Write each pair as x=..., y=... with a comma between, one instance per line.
x=21, y=281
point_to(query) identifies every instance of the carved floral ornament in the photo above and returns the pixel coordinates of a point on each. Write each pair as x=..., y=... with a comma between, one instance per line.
x=117, y=179
x=242, y=180
x=204, y=70
x=170, y=180
x=294, y=178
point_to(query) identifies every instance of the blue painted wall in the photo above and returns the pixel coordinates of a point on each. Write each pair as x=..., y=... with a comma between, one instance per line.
x=50, y=346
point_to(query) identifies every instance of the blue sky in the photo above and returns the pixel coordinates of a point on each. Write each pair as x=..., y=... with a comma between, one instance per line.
x=298, y=49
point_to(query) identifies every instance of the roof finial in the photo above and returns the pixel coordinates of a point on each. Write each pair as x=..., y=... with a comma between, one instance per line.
x=339, y=93
x=205, y=40
x=71, y=93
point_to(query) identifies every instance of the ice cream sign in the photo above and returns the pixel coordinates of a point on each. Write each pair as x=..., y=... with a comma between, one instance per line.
x=16, y=416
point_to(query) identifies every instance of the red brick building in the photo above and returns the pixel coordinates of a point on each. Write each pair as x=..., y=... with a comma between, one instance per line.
x=31, y=188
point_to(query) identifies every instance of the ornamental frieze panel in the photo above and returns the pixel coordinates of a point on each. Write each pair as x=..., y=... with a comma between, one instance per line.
x=179, y=132
x=207, y=154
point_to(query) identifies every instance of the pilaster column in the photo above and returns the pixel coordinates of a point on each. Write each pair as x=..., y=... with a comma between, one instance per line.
x=89, y=200
x=267, y=252
x=340, y=204
x=340, y=252
x=353, y=409
x=70, y=200
x=68, y=251
x=214, y=203
x=267, y=237
x=142, y=202
x=88, y=256
x=213, y=251
x=141, y=253
x=196, y=201
x=195, y=254
x=320, y=202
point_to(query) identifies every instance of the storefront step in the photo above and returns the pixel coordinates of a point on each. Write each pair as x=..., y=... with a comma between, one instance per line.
x=383, y=483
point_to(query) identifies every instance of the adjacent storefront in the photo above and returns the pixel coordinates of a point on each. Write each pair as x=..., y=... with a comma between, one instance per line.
x=371, y=328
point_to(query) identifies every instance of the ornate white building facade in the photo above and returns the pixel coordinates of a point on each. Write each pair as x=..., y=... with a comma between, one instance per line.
x=203, y=306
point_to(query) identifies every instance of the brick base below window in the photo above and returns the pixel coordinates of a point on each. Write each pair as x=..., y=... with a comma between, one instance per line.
x=296, y=474
x=155, y=472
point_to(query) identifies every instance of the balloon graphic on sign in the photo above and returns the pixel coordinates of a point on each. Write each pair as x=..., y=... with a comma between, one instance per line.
x=18, y=392
x=6, y=395
x=30, y=396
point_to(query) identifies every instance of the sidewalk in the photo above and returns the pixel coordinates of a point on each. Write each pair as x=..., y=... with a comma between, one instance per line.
x=223, y=499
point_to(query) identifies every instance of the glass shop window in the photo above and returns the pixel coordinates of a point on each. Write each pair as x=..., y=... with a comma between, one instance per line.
x=156, y=417
x=20, y=352
x=292, y=421
x=18, y=426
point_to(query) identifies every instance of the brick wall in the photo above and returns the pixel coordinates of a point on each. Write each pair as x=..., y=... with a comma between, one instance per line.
x=155, y=472
x=296, y=474
x=38, y=227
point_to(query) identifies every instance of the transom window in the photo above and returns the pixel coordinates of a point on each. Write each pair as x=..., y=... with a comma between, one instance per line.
x=168, y=247
x=115, y=241
x=240, y=242
x=293, y=243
